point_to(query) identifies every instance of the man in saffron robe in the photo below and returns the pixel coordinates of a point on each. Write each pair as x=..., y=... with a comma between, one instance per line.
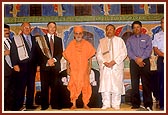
x=78, y=53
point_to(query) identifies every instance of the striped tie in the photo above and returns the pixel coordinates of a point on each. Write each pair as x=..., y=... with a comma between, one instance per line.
x=28, y=42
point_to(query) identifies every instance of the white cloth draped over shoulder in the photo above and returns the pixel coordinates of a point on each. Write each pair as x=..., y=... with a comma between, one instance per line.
x=21, y=48
x=7, y=47
x=43, y=46
x=116, y=73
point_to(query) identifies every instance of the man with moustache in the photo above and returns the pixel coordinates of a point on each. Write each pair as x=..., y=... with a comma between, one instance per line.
x=139, y=47
x=111, y=53
x=8, y=70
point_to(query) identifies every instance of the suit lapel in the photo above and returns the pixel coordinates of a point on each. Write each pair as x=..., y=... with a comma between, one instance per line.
x=48, y=43
x=54, y=45
x=32, y=40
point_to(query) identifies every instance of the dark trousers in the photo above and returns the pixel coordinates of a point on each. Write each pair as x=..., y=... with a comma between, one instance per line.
x=155, y=84
x=24, y=88
x=19, y=85
x=50, y=79
x=143, y=73
x=8, y=92
x=30, y=85
x=160, y=66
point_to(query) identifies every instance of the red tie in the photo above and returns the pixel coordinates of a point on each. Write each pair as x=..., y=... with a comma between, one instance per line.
x=51, y=45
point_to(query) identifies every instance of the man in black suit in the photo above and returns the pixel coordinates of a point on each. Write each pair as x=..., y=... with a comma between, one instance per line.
x=8, y=70
x=50, y=53
x=23, y=56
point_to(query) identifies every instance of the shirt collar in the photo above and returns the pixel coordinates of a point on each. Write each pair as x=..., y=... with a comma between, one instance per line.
x=25, y=36
x=138, y=36
x=49, y=35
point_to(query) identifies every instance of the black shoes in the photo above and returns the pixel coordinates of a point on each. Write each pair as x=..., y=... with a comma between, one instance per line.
x=44, y=108
x=32, y=107
x=135, y=107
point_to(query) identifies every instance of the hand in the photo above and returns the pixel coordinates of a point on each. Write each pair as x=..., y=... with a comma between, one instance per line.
x=7, y=52
x=16, y=68
x=106, y=64
x=38, y=68
x=51, y=62
x=111, y=64
x=139, y=62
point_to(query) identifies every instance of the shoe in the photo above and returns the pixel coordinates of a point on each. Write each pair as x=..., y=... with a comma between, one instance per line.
x=59, y=108
x=105, y=107
x=135, y=107
x=22, y=109
x=44, y=108
x=149, y=108
x=32, y=107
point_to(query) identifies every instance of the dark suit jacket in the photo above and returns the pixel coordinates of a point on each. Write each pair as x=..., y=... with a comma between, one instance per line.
x=58, y=49
x=31, y=62
x=7, y=69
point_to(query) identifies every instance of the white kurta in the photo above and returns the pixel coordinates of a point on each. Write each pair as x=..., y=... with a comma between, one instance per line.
x=111, y=79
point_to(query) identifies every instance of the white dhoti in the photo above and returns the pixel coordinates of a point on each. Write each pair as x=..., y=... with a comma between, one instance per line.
x=111, y=100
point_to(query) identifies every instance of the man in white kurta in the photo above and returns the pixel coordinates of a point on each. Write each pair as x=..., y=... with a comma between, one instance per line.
x=111, y=53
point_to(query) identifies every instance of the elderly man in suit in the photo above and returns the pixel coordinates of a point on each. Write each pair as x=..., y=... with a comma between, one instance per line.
x=23, y=56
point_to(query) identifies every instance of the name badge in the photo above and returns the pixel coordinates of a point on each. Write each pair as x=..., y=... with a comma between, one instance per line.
x=142, y=40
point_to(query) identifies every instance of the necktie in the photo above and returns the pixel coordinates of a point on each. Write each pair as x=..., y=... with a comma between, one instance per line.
x=51, y=45
x=28, y=42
